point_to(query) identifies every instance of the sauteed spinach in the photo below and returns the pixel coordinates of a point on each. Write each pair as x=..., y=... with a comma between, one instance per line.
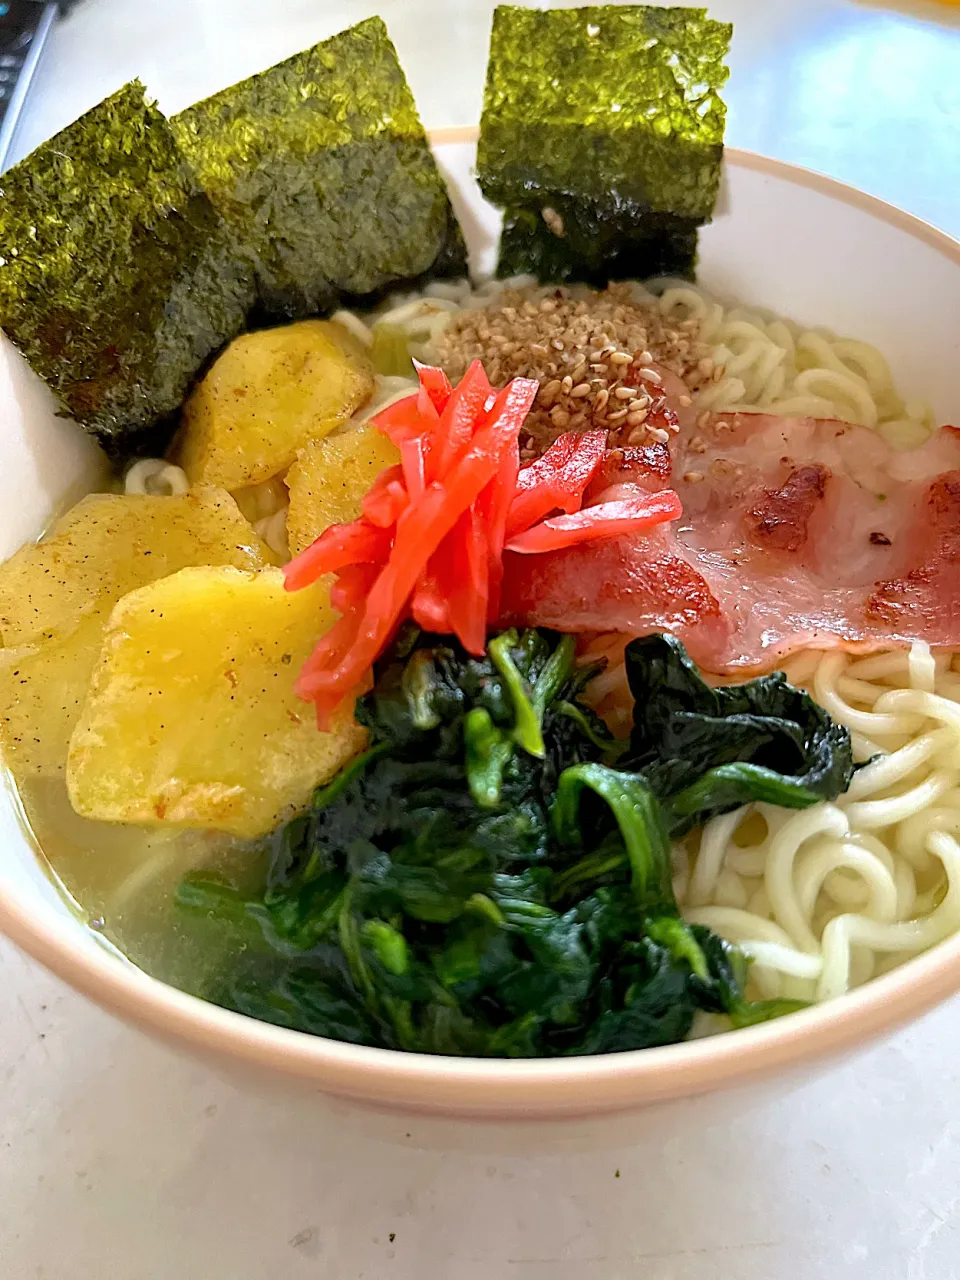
x=493, y=876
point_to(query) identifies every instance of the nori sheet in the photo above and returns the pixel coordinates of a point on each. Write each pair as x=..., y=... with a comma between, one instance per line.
x=608, y=115
x=117, y=279
x=596, y=247
x=321, y=169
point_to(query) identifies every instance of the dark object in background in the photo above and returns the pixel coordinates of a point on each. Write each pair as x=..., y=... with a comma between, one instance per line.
x=25, y=27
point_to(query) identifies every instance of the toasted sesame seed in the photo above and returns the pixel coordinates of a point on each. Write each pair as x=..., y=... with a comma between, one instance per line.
x=685, y=401
x=650, y=375
x=693, y=477
x=553, y=220
x=697, y=445
x=635, y=417
x=568, y=343
x=659, y=434
x=637, y=436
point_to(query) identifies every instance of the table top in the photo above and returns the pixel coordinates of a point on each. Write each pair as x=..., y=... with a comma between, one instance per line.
x=120, y=1159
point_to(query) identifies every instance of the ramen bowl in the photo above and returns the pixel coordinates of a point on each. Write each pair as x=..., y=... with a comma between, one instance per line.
x=784, y=239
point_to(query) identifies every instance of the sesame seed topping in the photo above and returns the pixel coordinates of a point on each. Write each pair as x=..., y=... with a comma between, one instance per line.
x=553, y=220
x=588, y=349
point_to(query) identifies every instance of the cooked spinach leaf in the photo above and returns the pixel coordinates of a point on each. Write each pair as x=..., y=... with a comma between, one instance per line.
x=117, y=278
x=322, y=171
x=486, y=880
x=707, y=750
x=602, y=137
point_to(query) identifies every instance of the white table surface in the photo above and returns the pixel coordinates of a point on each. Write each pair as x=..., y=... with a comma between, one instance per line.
x=119, y=1160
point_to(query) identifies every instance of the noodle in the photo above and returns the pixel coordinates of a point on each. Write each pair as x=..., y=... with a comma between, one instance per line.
x=771, y=365
x=824, y=898
x=157, y=478
x=874, y=875
x=757, y=362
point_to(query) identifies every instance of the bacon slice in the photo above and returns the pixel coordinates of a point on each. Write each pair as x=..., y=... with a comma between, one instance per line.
x=794, y=532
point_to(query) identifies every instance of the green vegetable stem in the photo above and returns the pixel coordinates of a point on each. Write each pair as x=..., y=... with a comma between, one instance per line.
x=493, y=876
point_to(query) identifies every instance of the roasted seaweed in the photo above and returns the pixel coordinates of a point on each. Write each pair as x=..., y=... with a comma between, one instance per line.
x=593, y=248
x=322, y=171
x=602, y=136
x=117, y=280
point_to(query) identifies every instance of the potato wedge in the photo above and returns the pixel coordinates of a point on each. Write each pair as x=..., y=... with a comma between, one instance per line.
x=110, y=543
x=56, y=595
x=42, y=691
x=266, y=396
x=198, y=724
x=329, y=479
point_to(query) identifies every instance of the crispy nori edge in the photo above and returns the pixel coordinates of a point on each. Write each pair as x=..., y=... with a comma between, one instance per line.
x=322, y=170
x=611, y=117
x=613, y=98
x=117, y=279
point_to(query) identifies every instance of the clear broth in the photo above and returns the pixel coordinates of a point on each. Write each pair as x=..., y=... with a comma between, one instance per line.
x=124, y=879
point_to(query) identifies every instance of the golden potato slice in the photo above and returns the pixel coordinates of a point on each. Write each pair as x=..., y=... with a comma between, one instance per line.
x=110, y=543
x=266, y=396
x=42, y=691
x=192, y=718
x=56, y=595
x=329, y=479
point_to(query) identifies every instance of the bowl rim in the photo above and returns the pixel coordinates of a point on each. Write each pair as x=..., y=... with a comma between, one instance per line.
x=525, y=1088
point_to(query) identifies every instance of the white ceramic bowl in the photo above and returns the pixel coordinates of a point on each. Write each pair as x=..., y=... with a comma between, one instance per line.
x=784, y=238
